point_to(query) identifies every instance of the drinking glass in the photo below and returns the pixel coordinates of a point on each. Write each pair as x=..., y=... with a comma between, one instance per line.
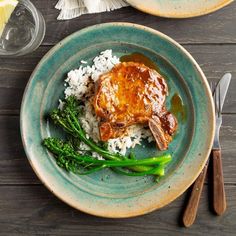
x=24, y=31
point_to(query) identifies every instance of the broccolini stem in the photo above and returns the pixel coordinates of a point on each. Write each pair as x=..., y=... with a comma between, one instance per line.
x=67, y=151
x=159, y=170
x=91, y=144
x=124, y=163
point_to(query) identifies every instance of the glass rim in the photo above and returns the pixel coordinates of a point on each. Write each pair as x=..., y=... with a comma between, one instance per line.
x=39, y=31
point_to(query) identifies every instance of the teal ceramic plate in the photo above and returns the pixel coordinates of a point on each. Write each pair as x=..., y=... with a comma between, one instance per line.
x=178, y=8
x=105, y=193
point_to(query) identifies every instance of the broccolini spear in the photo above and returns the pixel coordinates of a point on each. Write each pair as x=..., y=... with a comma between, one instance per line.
x=68, y=158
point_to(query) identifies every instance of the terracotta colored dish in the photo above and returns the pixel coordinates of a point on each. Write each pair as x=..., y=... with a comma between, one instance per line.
x=180, y=8
x=106, y=193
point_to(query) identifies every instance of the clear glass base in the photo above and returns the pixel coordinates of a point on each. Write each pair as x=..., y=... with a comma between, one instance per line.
x=24, y=31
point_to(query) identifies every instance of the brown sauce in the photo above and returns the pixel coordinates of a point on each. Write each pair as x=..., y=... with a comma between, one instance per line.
x=177, y=107
x=140, y=58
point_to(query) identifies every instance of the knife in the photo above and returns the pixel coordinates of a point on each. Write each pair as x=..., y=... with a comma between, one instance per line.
x=192, y=206
x=219, y=200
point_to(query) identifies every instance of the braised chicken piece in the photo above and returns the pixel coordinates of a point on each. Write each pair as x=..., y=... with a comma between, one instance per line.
x=133, y=93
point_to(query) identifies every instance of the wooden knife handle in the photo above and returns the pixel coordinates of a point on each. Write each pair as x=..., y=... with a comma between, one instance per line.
x=192, y=206
x=219, y=201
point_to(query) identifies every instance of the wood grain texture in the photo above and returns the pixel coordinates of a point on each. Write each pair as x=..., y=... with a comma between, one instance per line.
x=214, y=60
x=28, y=208
x=213, y=28
x=191, y=209
x=13, y=162
x=219, y=200
x=33, y=210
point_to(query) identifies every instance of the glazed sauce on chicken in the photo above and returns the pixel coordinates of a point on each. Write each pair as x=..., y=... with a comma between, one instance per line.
x=130, y=93
x=133, y=93
x=177, y=106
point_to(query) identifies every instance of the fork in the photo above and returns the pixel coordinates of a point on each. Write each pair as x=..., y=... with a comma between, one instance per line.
x=219, y=201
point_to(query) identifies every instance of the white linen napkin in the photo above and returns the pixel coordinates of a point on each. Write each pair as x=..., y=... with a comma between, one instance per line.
x=74, y=8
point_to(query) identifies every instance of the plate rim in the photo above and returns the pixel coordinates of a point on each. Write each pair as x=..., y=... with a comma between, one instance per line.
x=55, y=48
x=180, y=16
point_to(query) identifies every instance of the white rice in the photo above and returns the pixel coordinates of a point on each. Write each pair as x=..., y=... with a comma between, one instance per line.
x=80, y=83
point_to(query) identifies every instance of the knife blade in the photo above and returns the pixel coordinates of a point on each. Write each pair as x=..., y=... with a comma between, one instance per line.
x=219, y=95
x=219, y=199
x=224, y=85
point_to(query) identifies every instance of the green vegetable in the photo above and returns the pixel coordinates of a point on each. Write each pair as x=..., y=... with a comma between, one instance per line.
x=69, y=158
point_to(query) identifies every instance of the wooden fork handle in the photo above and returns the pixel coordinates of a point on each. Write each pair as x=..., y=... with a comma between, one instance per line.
x=192, y=206
x=219, y=200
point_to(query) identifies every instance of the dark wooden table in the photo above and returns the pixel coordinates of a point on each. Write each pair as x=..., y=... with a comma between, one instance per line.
x=28, y=208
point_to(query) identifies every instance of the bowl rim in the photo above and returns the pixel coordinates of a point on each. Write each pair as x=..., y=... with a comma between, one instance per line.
x=179, y=16
x=211, y=135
